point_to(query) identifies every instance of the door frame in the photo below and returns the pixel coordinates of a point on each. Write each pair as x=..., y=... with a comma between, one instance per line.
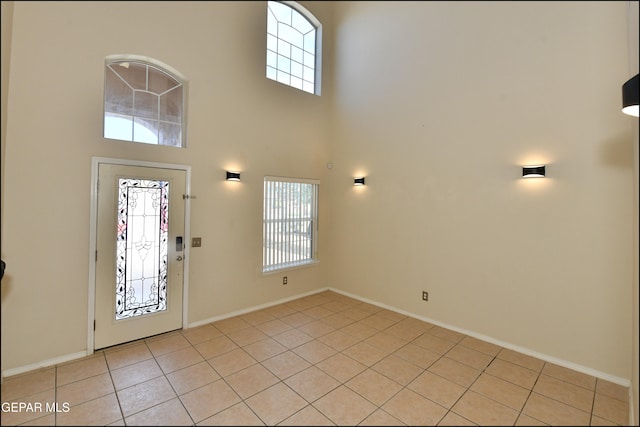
x=93, y=231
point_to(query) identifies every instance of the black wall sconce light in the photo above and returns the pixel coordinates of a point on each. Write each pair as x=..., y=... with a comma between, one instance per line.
x=630, y=96
x=233, y=176
x=358, y=181
x=534, y=171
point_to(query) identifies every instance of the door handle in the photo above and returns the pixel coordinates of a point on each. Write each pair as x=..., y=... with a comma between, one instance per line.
x=179, y=258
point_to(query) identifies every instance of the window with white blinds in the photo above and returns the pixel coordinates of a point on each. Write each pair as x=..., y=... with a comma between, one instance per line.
x=290, y=223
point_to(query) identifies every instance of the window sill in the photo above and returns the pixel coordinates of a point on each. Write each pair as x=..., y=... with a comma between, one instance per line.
x=293, y=266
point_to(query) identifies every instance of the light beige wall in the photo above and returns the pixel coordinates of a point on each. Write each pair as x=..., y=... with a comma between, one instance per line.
x=237, y=119
x=439, y=104
x=633, y=33
x=7, y=19
x=6, y=15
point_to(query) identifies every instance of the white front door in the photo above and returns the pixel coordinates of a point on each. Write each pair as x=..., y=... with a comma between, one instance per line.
x=140, y=252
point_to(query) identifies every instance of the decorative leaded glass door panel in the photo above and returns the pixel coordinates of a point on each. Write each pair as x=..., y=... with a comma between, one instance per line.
x=139, y=264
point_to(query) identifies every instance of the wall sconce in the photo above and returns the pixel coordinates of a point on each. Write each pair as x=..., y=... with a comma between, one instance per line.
x=630, y=96
x=533, y=171
x=358, y=181
x=233, y=176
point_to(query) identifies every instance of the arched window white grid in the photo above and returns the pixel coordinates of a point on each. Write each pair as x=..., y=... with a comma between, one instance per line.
x=294, y=46
x=144, y=101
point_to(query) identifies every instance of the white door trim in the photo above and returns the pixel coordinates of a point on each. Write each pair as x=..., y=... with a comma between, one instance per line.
x=93, y=222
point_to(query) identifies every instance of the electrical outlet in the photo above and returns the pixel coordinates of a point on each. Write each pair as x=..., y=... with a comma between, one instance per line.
x=196, y=242
x=284, y=280
x=425, y=296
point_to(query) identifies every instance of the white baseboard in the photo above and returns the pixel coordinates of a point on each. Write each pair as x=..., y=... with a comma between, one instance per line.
x=254, y=308
x=43, y=364
x=62, y=359
x=579, y=368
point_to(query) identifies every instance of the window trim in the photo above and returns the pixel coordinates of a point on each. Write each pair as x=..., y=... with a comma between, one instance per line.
x=271, y=269
x=317, y=85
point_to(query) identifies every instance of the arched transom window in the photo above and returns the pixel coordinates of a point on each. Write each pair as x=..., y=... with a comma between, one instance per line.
x=143, y=102
x=294, y=46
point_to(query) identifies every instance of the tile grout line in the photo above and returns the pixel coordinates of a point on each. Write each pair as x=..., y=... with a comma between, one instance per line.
x=539, y=373
x=164, y=374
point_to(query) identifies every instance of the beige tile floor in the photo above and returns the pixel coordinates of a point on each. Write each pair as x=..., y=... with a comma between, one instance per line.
x=324, y=359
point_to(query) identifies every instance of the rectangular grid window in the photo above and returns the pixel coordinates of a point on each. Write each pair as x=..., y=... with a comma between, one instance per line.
x=293, y=46
x=290, y=223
